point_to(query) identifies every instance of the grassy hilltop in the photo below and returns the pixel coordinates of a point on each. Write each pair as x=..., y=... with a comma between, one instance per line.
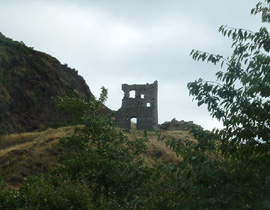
x=33, y=153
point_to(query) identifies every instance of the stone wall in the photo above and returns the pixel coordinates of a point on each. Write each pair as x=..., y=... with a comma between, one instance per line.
x=140, y=102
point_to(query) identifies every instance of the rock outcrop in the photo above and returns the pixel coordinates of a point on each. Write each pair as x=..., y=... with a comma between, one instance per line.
x=28, y=81
x=176, y=125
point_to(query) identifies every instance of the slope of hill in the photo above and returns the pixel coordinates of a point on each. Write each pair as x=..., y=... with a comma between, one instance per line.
x=27, y=154
x=28, y=81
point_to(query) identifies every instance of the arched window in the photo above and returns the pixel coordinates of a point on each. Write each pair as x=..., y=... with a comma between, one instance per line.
x=133, y=123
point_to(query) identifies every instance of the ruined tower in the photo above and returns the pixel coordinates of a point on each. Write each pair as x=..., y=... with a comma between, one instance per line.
x=140, y=102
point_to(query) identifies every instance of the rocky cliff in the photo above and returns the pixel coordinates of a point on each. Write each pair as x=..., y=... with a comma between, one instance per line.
x=28, y=81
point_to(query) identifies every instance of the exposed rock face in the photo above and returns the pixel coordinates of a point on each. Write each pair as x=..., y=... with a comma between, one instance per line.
x=28, y=81
x=176, y=125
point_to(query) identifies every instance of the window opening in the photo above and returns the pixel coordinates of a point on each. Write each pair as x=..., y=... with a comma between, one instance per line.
x=142, y=95
x=132, y=94
x=148, y=105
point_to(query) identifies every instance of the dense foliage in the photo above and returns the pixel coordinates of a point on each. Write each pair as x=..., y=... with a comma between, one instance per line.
x=103, y=156
x=223, y=169
x=240, y=99
x=100, y=168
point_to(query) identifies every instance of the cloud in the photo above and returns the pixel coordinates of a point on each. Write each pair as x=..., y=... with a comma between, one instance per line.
x=138, y=41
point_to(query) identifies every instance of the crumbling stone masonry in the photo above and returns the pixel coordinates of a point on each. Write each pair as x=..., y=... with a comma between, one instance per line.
x=142, y=105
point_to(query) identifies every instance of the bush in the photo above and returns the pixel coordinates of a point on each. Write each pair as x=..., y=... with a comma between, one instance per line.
x=100, y=154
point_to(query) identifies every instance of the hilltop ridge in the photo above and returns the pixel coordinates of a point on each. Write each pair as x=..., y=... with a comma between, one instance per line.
x=28, y=81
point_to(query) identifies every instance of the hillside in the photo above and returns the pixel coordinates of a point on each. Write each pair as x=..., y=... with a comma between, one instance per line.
x=28, y=81
x=27, y=154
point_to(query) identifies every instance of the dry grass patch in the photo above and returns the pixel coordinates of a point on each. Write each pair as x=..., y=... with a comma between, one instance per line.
x=157, y=149
x=27, y=154
x=32, y=139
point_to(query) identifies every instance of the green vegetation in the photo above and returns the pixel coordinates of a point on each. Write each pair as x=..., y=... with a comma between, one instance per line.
x=225, y=169
x=240, y=99
x=100, y=168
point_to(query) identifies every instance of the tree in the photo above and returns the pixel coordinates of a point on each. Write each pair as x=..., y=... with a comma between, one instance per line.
x=100, y=154
x=240, y=97
x=99, y=167
x=227, y=168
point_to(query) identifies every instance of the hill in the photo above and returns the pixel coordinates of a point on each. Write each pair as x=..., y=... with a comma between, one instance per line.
x=32, y=153
x=28, y=81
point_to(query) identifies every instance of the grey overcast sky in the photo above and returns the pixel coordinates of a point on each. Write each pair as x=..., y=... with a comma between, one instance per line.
x=111, y=42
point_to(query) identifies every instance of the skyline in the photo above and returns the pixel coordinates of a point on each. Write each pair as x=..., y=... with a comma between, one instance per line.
x=132, y=42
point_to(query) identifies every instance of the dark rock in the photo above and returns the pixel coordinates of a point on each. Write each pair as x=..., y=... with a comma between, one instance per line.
x=23, y=173
x=176, y=125
x=17, y=152
x=15, y=178
x=6, y=164
x=29, y=80
x=157, y=154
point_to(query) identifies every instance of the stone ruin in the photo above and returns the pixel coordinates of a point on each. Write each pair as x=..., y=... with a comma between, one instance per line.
x=140, y=102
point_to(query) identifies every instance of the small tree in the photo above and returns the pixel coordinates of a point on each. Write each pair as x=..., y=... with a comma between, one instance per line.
x=101, y=154
x=100, y=168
